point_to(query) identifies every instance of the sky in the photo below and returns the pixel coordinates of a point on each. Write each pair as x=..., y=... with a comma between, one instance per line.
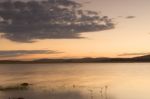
x=129, y=37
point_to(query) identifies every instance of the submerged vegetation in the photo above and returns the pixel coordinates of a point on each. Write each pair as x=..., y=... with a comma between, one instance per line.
x=22, y=86
x=72, y=92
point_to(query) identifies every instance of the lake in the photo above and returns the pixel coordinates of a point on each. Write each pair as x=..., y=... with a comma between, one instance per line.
x=77, y=80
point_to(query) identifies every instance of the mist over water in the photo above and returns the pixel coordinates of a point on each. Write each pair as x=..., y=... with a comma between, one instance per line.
x=78, y=81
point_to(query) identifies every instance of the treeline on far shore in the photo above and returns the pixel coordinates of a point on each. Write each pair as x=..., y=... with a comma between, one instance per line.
x=81, y=60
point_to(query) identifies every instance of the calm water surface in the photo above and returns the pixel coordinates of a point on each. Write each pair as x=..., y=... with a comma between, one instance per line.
x=117, y=80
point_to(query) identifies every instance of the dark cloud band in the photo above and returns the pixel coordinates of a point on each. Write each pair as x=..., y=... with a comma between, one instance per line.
x=15, y=53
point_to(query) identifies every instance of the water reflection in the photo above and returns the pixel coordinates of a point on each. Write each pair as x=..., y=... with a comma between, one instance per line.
x=59, y=93
x=43, y=95
x=91, y=81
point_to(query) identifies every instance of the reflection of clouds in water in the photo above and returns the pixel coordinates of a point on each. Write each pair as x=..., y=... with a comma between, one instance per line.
x=77, y=80
x=52, y=93
x=43, y=95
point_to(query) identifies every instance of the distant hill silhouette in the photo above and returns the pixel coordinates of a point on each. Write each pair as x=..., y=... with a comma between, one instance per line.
x=145, y=58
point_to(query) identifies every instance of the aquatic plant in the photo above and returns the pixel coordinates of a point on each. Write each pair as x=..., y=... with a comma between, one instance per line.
x=22, y=86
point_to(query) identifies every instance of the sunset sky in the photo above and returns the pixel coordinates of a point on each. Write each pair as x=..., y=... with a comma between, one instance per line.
x=130, y=37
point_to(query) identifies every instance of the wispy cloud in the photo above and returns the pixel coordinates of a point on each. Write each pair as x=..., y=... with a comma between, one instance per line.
x=130, y=17
x=52, y=19
x=15, y=53
x=134, y=54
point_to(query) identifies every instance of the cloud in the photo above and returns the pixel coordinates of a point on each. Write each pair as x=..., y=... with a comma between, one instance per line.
x=130, y=17
x=133, y=54
x=15, y=53
x=52, y=19
x=22, y=0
